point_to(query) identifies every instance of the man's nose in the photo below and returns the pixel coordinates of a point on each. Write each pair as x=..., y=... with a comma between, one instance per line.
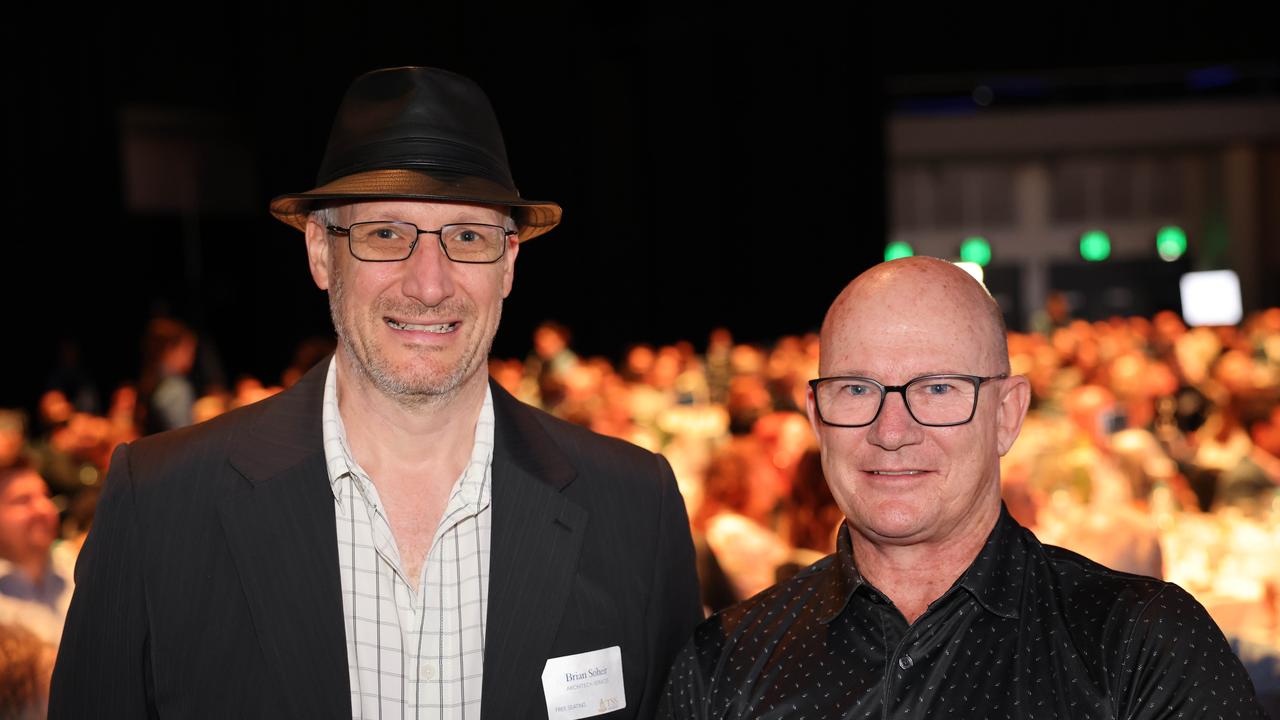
x=428, y=272
x=894, y=427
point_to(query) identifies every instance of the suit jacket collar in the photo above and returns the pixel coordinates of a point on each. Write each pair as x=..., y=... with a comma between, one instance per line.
x=280, y=529
x=286, y=431
x=519, y=438
x=282, y=536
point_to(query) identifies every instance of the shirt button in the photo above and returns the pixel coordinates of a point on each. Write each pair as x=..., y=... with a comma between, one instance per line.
x=905, y=662
x=427, y=671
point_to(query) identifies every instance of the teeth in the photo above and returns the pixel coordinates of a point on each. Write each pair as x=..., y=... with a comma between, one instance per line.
x=896, y=472
x=441, y=328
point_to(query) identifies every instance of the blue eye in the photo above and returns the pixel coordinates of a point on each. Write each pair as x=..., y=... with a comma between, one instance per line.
x=938, y=388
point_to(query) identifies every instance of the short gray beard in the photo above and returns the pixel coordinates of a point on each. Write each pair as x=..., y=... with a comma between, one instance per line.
x=374, y=370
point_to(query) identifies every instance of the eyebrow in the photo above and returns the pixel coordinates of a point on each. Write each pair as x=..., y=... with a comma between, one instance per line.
x=460, y=219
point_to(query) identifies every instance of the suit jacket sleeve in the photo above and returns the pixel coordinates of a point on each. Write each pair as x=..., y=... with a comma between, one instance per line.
x=103, y=668
x=674, y=607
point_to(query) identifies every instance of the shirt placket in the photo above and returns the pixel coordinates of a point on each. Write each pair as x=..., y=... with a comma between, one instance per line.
x=407, y=605
x=445, y=618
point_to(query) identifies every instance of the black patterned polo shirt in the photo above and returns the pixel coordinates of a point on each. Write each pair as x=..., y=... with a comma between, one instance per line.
x=1027, y=631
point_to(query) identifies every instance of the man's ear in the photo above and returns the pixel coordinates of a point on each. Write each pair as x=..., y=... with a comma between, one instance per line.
x=811, y=410
x=318, y=253
x=509, y=274
x=1015, y=398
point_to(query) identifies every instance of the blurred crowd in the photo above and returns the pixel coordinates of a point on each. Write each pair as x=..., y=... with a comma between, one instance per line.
x=1138, y=427
x=1147, y=442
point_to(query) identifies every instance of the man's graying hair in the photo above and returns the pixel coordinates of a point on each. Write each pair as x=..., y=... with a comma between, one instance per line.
x=325, y=216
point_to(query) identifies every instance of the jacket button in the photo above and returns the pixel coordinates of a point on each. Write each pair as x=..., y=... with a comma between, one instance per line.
x=905, y=662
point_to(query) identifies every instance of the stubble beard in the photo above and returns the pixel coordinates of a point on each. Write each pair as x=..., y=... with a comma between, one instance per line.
x=416, y=388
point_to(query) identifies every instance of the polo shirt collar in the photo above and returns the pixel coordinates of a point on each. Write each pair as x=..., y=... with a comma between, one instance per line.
x=994, y=578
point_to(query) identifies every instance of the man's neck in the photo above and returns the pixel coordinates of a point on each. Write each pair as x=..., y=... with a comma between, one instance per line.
x=915, y=575
x=391, y=437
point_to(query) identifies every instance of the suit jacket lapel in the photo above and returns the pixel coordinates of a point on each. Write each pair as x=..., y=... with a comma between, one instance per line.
x=281, y=533
x=537, y=535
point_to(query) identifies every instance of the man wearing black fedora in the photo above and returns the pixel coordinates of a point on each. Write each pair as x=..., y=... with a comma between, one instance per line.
x=394, y=535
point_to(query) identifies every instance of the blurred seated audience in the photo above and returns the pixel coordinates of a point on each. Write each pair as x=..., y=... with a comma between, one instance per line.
x=1145, y=437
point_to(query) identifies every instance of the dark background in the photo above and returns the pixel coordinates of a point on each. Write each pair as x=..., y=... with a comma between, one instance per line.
x=689, y=145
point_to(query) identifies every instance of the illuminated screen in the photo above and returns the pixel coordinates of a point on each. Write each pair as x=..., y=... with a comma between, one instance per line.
x=1211, y=298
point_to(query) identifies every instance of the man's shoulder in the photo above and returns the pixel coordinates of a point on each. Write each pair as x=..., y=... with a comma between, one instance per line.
x=200, y=457
x=1081, y=580
x=1117, y=612
x=197, y=442
x=1149, y=641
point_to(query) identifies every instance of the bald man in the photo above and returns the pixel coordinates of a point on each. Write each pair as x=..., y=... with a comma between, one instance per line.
x=936, y=602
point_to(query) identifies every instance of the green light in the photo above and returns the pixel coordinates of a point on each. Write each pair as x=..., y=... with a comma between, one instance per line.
x=1095, y=246
x=1171, y=242
x=897, y=249
x=976, y=250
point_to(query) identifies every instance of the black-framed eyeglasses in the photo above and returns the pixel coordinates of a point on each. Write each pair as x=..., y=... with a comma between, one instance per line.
x=393, y=241
x=931, y=400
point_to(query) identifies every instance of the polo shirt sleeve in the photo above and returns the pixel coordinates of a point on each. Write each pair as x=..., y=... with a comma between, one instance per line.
x=1175, y=663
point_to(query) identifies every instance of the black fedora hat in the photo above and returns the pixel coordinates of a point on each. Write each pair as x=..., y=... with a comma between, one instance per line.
x=417, y=133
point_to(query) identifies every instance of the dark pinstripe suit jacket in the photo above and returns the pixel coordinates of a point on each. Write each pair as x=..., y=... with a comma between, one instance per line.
x=209, y=584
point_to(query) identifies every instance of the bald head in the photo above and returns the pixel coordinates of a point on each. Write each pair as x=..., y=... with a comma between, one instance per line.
x=924, y=297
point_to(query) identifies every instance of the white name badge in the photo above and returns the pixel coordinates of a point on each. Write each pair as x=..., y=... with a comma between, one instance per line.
x=584, y=685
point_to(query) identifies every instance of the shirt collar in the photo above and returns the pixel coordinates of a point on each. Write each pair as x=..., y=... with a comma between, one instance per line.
x=472, y=488
x=996, y=575
x=840, y=579
x=15, y=583
x=994, y=578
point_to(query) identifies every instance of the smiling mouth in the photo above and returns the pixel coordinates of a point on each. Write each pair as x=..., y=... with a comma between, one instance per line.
x=896, y=473
x=439, y=329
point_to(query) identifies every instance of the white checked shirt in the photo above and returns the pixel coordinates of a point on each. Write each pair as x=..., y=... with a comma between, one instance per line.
x=412, y=654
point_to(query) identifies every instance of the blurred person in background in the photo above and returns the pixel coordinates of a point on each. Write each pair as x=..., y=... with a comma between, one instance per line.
x=166, y=394
x=719, y=364
x=36, y=582
x=550, y=362
x=25, y=665
x=1055, y=314
x=733, y=526
x=13, y=426
x=1207, y=430
x=783, y=437
x=308, y=353
x=748, y=401
x=73, y=447
x=1093, y=505
x=812, y=515
x=69, y=378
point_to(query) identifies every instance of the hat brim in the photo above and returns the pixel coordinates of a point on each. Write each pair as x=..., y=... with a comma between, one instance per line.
x=532, y=216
